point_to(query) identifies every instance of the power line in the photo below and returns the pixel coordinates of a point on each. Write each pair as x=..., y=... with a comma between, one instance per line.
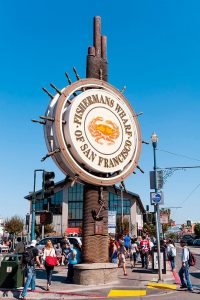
x=181, y=155
x=190, y=194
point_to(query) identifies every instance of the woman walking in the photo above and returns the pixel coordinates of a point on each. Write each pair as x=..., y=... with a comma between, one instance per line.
x=49, y=251
x=133, y=252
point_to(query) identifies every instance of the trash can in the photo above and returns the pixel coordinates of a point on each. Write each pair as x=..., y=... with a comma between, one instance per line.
x=11, y=273
x=155, y=260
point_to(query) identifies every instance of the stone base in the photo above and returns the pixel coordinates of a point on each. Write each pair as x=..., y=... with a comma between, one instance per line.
x=95, y=273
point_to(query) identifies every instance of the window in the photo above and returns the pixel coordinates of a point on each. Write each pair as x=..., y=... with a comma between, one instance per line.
x=53, y=204
x=75, y=205
x=115, y=204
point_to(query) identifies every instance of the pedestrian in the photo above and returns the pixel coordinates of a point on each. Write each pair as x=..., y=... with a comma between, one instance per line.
x=64, y=241
x=151, y=245
x=122, y=256
x=48, y=251
x=171, y=253
x=133, y=252
x=58, y=252
x=74, y=258
x=144, y=251
x=184, y=270
x=65, y=253
x=32, y=258
x=20, y=248
x=113, y=250
x=127, y=242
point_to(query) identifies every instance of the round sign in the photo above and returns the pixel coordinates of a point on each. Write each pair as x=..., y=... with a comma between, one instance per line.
x=156, y=198
x=95, y=131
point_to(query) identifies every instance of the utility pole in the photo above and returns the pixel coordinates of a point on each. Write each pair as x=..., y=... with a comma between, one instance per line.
x=154, y=139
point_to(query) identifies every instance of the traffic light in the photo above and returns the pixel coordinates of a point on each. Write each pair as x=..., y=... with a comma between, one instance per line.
x=46, y=217
x=49, y=217
x=48, y=184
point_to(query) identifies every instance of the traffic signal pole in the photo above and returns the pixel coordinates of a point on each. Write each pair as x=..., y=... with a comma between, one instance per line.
x=33, y=200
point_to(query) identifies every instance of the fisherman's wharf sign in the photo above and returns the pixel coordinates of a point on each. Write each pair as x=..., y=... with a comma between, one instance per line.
x=95, y=132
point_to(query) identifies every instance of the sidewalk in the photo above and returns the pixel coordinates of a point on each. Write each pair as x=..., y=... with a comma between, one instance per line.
x=138, y=281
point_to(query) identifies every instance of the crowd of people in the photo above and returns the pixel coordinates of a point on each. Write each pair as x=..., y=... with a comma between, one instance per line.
x=140, y=249
x=52, y=255
x=136, y=249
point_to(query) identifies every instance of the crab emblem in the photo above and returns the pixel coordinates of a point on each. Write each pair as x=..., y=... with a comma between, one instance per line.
x=103, y=130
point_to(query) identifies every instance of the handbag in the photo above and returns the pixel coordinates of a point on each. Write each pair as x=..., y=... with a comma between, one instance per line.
x=51, y=261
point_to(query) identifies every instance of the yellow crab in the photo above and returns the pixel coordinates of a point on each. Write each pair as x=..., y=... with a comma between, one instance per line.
x=106, y=130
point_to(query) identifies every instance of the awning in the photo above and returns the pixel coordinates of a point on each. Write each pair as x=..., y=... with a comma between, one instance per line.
x=72, y=230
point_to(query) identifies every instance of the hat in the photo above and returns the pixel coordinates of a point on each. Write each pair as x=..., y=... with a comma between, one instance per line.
x=33, y=243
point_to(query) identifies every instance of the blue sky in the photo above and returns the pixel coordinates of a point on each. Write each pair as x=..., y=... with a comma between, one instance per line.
x=153, y=49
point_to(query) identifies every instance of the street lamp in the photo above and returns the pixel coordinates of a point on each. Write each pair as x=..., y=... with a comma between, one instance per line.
x=154, y=140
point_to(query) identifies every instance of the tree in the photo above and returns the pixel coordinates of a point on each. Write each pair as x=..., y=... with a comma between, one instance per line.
x=165, y=227
x=149, y=229
x=197, y=229
x=14, y=225
x=122, y=228
x=173, y=236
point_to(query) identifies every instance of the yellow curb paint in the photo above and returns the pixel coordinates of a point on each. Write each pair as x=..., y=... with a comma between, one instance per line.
x=161, y=286
x=127, y=293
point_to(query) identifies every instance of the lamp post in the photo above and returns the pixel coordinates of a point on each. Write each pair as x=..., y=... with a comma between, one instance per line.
x=154, y=139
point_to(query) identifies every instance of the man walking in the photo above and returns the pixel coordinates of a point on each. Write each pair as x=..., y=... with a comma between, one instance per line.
x=29, y=258
x=184, y=270
x=144, y=251
x=20, y=248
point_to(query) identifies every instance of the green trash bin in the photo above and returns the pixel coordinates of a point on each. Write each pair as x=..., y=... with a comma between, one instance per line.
x=11, y=272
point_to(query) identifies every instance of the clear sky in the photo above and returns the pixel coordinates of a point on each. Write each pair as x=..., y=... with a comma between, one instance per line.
x=153, y=49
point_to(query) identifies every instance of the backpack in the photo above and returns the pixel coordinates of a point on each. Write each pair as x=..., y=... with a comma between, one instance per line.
x=172, y=251
x=28, y=257
x=192, y=259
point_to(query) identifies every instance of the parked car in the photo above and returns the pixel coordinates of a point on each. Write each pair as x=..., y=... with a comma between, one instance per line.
x=74, y=240
x=196, y=242
x=190, y=242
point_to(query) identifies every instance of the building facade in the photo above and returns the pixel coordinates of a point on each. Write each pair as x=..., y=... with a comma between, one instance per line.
x=67, y=207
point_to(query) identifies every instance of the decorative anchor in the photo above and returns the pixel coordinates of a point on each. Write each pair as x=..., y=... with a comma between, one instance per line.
x=96, y=215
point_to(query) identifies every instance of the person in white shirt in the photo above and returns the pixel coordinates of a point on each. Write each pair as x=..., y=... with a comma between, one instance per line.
x=48, y=251
x=171, y=253
x=133, y=252
x=184, y=270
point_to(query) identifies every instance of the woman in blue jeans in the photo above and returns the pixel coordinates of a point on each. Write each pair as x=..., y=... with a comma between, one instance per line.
x=48, y=251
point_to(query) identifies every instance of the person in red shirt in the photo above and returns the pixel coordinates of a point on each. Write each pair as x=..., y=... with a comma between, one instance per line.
x=144, y=251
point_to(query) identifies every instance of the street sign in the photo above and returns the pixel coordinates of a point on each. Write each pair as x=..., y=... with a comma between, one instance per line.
x=159, y=177
x=156, y=198
x=164, y=217
x=112, y=215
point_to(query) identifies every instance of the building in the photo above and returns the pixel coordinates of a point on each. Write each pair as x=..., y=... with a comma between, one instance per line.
x=1, y=226
x=67, y=207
